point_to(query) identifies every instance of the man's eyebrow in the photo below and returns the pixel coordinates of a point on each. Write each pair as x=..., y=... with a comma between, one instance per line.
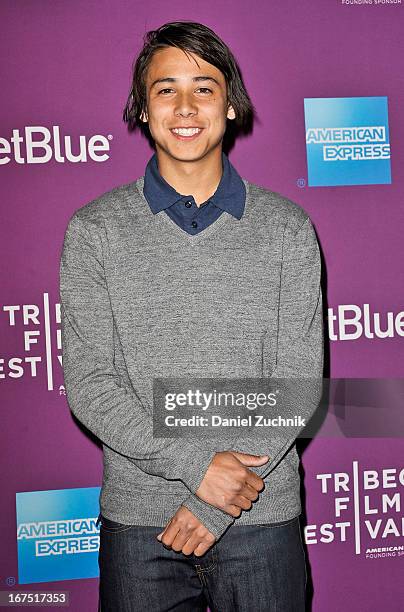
x=195, y=79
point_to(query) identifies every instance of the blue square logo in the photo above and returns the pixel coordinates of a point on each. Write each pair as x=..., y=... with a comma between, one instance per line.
x=347, y=141
x=57, y=534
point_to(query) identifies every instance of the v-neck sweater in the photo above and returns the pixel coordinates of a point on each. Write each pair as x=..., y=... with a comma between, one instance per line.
x=141, y=298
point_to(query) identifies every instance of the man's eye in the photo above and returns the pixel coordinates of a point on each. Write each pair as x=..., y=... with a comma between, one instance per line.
x=202, y=89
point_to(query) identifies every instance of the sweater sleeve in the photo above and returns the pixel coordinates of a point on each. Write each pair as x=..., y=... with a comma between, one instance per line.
x=299, y=353
x=95, y=391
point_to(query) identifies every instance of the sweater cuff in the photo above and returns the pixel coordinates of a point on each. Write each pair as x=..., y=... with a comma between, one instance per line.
x=212, y=518
x=195, y=468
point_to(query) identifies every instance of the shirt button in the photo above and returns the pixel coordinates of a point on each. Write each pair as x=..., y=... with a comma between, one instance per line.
x=194, y=224
x=188, y=204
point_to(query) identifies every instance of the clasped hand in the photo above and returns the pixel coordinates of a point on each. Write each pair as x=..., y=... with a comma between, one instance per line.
x=228, y=485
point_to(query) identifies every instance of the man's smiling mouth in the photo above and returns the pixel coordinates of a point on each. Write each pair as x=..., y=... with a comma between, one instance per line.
x=186, y=132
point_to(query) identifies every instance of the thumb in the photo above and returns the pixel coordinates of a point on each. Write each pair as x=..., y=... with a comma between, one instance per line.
x=252, y=460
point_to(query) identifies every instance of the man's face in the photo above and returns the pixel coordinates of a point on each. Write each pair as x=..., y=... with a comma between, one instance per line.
x=183, y=94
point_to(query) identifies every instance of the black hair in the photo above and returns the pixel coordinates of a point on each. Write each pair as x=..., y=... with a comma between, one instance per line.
x=203, y=42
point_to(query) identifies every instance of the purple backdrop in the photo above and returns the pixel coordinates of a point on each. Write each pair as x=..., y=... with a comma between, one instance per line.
x=67, y=64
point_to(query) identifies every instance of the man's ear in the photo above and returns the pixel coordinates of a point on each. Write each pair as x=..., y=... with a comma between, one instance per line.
x=230, y=113
x=144, y=117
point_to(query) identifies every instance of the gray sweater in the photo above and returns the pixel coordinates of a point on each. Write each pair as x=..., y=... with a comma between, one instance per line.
x=141, y=298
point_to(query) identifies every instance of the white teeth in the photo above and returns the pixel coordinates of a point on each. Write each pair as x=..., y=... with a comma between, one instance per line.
x=186, y=131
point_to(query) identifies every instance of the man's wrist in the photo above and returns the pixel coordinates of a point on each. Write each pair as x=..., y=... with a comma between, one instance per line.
x=195, y=469
x=214, y=519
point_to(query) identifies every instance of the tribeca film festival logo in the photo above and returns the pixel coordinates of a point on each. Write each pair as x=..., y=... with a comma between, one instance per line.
x=39, y=145
x=57, y=534
x=35, y=325
x=347, y=141
x=367, y=511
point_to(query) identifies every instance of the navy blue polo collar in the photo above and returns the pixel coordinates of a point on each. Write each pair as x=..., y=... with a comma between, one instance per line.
x=229, y=195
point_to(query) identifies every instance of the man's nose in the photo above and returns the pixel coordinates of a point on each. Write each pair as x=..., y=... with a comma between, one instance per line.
x=185, y=106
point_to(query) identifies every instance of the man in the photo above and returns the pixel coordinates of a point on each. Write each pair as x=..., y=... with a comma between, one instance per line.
x=190, y=271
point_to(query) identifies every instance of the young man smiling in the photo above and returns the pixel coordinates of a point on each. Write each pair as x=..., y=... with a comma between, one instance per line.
x=190, y=271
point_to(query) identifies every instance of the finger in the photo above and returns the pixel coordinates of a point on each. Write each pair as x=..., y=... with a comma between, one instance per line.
x=201, y=549
x=198, y=536
x=254, y=481
x=233, y=510
x=250, y=460
x=169, y=535
x=242, y=502
x=180, y=539
x=249, y=492
x=191, y=544
x=160, y=535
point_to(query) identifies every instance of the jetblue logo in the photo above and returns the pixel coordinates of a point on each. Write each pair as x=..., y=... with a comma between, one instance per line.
x=347, y=141
x=57, y=534
x=351, y=322
x=38, y=145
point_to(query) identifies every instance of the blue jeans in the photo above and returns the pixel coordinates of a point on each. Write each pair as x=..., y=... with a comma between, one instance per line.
x=257, y=568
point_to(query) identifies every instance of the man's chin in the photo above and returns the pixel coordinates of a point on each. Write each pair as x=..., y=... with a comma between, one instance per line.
x=192, y=155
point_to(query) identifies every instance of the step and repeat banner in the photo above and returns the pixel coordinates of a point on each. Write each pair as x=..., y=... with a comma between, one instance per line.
x=325, y=77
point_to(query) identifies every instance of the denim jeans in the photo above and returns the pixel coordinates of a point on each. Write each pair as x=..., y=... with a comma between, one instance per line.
x=252, y=568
